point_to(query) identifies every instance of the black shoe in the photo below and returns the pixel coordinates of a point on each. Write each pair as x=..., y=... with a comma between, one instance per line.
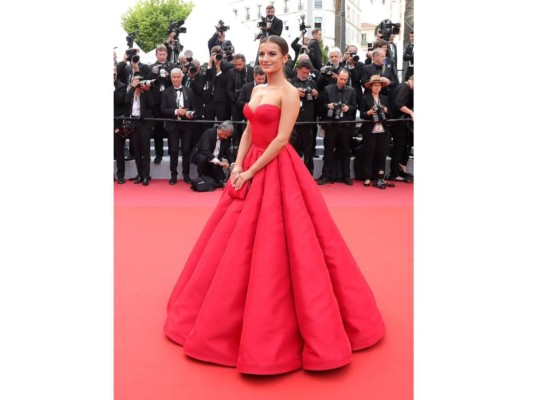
x=172, y=181
x=157, y=160
x=138, y=179
x=347, y=181
x=129, y=157
x=120, y=181
x=187, y=179
x=316, y=156
x=146, y=181
x=323, y=180
x=133, y=179
x=408, y=178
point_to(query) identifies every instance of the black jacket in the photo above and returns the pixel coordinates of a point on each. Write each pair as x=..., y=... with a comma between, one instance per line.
x=168, y=107
x=366, y=104
x=206, y=146
x=347, y=96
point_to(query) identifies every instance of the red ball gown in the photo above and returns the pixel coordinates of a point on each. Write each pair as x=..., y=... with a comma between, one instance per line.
x=271, y=286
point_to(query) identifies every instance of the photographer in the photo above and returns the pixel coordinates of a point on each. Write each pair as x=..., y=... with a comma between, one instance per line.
x=172, y=44
x=408, y=56
x=316, y=55
x=219, y=37
x=329, y=72
x=138, y=104
x=212, y=154
x=130, y=65
x=402, y=107
x=177, y=103
x=160, y=72
x=237, y=77
x=217, y=96
x=119, y=94
x=377, y=67
x=194, y=78
x=352, y=64
x=300, y=48
x=374, y=107
x=270, y=25
x=303, y=135
x=338, y=104
x=173, y=48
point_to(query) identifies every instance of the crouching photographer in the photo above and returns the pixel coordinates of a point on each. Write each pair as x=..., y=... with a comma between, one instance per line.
x=138, y=104
x=303, y=135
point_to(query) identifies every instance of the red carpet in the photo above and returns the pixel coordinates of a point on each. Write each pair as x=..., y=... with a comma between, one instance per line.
x=155, y=229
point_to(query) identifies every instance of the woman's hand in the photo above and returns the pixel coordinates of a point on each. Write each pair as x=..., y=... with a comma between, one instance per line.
x=236, y=170
x=241, y=179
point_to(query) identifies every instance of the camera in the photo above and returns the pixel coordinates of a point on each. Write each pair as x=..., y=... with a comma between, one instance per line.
x=303, y=26
x=262, y=23
x=147, y=82
x=221, y=27
x=369, y=47
x=159, y=70
x=355, y=57
x=227, y=47
x=308, y=91
x=336, y=112
x=132, y=55
x=380, y=115
x=387, y=28
x=329, y=69
x=228, y=56
x=131, y=37
x=189, y=67
x=176, y=27
x=126, y=128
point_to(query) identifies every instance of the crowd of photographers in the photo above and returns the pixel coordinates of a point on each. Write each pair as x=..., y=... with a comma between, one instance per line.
x=348, y=102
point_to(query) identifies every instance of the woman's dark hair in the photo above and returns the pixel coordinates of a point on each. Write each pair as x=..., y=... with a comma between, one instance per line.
x=281, y=42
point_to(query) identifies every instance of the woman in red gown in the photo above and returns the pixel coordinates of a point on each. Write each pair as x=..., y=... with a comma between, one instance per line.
x=271, y=286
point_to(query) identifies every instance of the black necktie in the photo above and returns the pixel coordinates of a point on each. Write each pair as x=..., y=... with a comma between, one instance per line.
x=180, y=89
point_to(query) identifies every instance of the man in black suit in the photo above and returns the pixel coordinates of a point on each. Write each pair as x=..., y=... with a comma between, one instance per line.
x=303, y=135
x=402, y=107
x=177, y=103
x=194, y=78
x=246, y=90
x=160, y=70
x=351, y=61
x=316, y=56
x=217, y=95
x=378, y=67
x=392, y=50
x=408, y=56
x=118, y=140
x=129, y=66
x=338, y=104
x=238, y=76
x=138, y=104
x=274, y=25
x=212, y=154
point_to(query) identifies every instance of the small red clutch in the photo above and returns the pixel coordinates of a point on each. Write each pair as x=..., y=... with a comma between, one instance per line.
x=241, y=193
